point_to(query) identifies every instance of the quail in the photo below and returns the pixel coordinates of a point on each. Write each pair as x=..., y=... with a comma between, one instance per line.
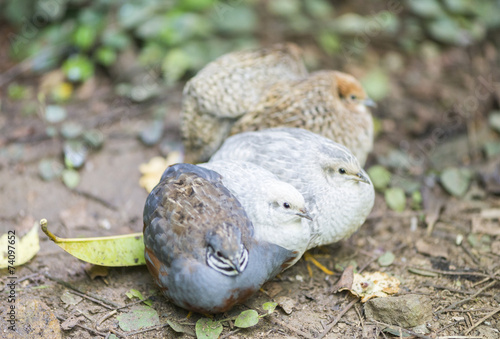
x=330, y=103
x=339, y=194
x=276, y=209
x=199, y=242
x=229, y=87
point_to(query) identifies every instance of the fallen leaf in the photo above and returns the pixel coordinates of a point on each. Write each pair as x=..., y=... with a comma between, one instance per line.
x=386, y=259
x=286, y=303
x=16, y=251
x=395, y=199
x=71, y=322
x=269, y=307
x=345, y=281
x=247, y=319
x=95, y=271
x=121, y=250
x=152, y=170
x=456, y=180
x=179, y=328
x=375, y=284
x=138, y=317
x=70, y=299
x=433, y=250
x=208, y=329
x=433, y=201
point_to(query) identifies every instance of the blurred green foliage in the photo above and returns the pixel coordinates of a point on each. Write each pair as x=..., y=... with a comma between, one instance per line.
x=179, y=37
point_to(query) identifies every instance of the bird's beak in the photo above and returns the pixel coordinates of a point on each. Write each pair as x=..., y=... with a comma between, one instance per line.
x=369, y=102
x=236, y=265
x=304, y=214
x=360, y=177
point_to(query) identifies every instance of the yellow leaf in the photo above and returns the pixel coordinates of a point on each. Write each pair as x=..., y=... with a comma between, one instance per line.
x=120, y=250
x=152, y=170
x=21, y=250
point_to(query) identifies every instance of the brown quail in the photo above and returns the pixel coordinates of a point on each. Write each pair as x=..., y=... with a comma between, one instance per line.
x=329, y=103
x=228, y=88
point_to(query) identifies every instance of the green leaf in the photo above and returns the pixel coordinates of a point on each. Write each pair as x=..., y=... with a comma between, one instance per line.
x=416, y=200
x=49, y=169
x=380, y=177
x=426, y=8
x=195, y=5
x=330, y=42
x=235, y=20
x=55, y=114
x=93, y=138
x=139, y=317
x=114, y=251
x=179, y=328
x=386, y=259
x=175, y=64
x=70, y=178
x=395, y=199
x=456, y=181
x=208, y=329
x=133, y=293
x=17, y=92
x=269, y=306
x=246, y=319
x=78, y=68
x=376, y=83
x=84, y=37
x=71, y=130
x=286, y=8
x=398, y=332
x=105, y=56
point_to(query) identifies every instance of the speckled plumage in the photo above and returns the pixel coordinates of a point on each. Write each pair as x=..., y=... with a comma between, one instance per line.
x=329, y=103
x=229, y=87
x=338, y=202
x=190, y=218
x=277, y=210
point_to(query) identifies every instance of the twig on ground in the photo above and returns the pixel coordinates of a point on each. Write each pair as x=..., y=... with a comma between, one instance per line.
x=339, y=316
x=473, y=258
x=463, y=301
x=415, y=334
x=91, y=330
x=275, y=320
x=440, y=287
x=95, y=198
x=98, y=322
x=230, y=333
x=475, y=274
x=489, y=315
x=146, y=330
x=90, y=296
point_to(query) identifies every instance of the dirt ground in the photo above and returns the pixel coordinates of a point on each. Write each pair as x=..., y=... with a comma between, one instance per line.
x=435, y=116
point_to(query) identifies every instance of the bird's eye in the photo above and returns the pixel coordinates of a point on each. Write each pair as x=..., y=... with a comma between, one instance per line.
x=353, y=97
x=286, y=205
x=342, y=171
x=219, y=253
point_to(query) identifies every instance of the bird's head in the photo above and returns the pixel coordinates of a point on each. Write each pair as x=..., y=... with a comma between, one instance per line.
x=226, y=252
x=351, y=93
x=286, y=205
x=340, y=167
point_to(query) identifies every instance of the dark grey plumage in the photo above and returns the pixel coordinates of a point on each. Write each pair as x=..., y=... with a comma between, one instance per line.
x=199, y=242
